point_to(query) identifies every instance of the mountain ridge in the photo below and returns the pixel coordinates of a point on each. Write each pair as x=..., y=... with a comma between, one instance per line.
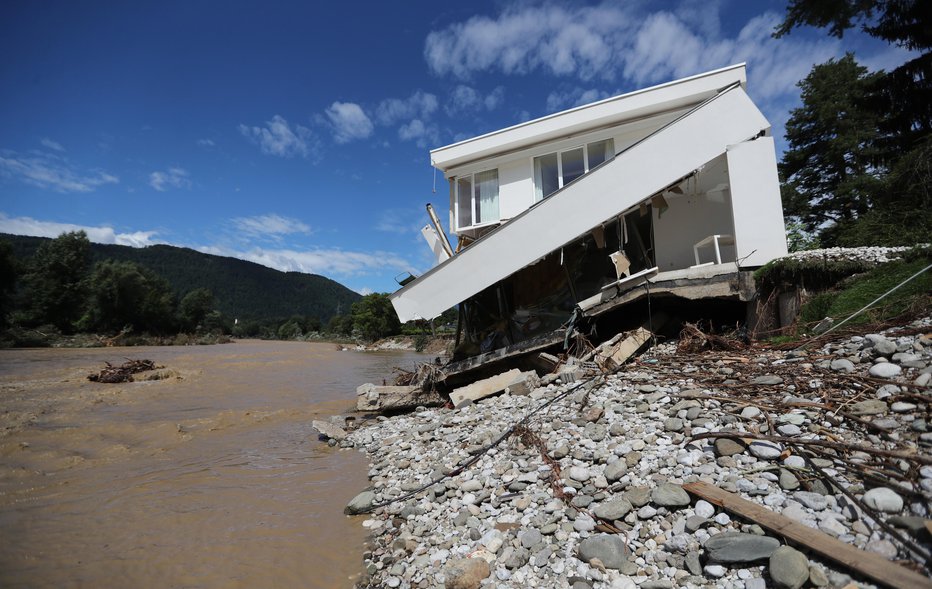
x=242, y=289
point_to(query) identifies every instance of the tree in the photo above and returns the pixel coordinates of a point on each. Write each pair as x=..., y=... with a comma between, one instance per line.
x=8, y=274
x=340, y=325
x=904, y=94
x=374, y=316
x=194, y=307
x=127, y=294
x=55, y=281
x=832, y=166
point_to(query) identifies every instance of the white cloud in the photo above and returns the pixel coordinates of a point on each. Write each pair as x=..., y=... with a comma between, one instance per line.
x=206, y=143
x=420, y=132
x=328, y=262
x=465, y=98
x=171, y=178
x=365, y=291
x=580, y=40
x=278, y=138
x=98, y=234
x=52, y=144
x=419, y=105
x=51, y=171
x=270, y=225
x=348, y=121
x=611, y=41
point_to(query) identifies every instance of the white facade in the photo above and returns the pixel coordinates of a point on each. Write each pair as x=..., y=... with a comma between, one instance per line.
x=693, y=154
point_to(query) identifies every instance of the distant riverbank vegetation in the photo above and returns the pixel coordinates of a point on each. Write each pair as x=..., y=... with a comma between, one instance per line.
x=61, y=294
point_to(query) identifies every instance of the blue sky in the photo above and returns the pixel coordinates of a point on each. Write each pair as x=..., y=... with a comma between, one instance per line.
x=296, y=134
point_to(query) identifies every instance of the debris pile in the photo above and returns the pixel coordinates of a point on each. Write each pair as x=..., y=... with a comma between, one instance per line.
x=123, y=372
x=735, y=467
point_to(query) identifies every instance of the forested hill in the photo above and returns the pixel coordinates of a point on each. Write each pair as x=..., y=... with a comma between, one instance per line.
x=241, y=289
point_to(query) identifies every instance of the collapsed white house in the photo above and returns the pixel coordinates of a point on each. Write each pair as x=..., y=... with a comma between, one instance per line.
x=674, y=185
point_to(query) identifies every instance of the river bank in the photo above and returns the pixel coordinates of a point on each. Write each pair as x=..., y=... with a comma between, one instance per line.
x=589, y=493
x=213, y=477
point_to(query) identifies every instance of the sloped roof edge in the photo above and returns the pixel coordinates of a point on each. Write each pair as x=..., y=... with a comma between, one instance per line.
x=615, y=110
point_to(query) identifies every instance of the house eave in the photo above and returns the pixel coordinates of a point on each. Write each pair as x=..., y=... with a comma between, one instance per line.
x=616, y=110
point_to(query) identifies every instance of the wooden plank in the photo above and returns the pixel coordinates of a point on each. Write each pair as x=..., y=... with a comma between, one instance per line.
x=867, y=563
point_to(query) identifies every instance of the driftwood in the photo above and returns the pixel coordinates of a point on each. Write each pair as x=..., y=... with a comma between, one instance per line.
x=693, y=341
x=122, y=373
x=867, y=563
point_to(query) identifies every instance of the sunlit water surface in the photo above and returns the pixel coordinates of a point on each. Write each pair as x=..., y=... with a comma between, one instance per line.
x=216, y=479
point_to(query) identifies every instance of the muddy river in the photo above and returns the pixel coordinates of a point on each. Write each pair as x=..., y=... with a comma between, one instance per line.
x=213, y=478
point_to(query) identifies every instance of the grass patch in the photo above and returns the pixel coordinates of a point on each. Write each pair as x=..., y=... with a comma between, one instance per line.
x=853, y=294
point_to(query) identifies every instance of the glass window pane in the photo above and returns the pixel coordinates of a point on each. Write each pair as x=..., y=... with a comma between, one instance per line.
x=486, y=189
x=600, y=151
x=464, y=201
x=546, y=171
x=574, y=165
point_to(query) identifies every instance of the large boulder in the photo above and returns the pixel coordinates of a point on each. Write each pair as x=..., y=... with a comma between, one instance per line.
x=610, y=549
x=466, y=573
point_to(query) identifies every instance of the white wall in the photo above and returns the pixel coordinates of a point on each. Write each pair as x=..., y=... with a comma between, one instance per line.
x=758, y=211
x=515, y=187
x=688, y=220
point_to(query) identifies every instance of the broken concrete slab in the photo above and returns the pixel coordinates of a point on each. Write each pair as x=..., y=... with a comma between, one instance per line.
x=613, y=356
x=329, y=430
x=513, y=381
x=371, y=397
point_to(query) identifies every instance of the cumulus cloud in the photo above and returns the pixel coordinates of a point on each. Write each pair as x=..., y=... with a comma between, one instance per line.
x=348, y=121
x=465, y=98
x=270, y=225
x=97, y=234
x=420, y=105
x=52, y=144
x=420, y=132
x=52, y=171
x=623, y=43
x=328, y=262
x=170, y=178
x=206, y=143
x=581, y=40
x=278, y=138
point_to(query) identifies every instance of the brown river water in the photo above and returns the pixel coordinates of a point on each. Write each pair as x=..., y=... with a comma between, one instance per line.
x=214, y=479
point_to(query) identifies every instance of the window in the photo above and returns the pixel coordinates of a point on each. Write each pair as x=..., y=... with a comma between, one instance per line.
x=555, y=170
x=477, y=199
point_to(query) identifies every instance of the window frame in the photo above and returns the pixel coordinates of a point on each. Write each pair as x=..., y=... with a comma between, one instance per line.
x=559, y=153
x=474, y=200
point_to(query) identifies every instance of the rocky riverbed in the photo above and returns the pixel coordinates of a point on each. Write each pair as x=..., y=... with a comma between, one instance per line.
x=588, y=492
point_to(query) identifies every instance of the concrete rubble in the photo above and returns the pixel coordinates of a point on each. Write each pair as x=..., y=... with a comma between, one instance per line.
x=513, y=381
x=588, y=491
x=386, y=398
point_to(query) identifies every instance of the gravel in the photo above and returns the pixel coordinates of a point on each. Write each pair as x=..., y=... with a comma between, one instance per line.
x=627, y=468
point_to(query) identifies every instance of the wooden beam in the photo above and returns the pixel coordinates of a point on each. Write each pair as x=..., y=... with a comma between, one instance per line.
x=868, y=564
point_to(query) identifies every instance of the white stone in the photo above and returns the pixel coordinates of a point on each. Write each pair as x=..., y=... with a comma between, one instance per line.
x=765, y=450
x=794, y=461
x=716, y=571
x=704, y=509
x=885, y=370
x=883, y=499
x=579, y=473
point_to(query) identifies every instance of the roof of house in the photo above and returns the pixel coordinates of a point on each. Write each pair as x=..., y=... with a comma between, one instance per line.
x=678, y=94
